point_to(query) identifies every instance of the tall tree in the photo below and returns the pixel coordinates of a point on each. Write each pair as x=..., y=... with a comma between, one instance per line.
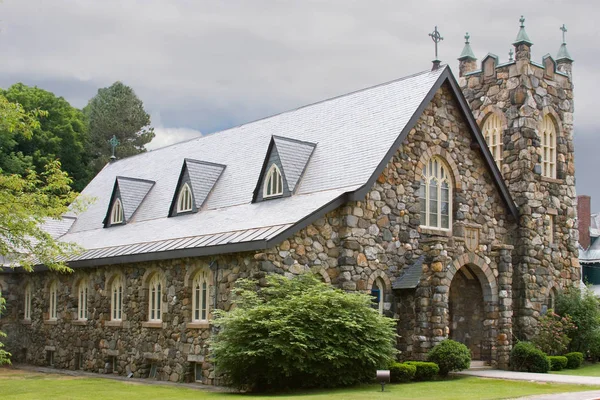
x=61, y=134
x=28, y=201
x=116, y=110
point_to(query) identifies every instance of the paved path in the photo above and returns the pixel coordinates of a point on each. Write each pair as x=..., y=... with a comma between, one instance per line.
x=554, y=378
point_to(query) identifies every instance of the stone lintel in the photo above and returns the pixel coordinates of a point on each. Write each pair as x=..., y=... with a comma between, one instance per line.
x=434, y=239
x=50, y=322
x=153, y=356
x=152, y=324
x=197, y=358
x=114, y=324
x=50, y=348
x=198, y=325
x=113, y=353
x=79, y=322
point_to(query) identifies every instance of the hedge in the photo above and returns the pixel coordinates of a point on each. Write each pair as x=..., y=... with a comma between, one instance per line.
x=557, y=363
x=401, y=372
x=426, y=371
x=527, y=358
x=574, y=360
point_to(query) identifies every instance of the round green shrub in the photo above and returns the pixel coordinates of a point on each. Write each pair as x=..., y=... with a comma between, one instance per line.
x=527, y=358
x=300, y=333
x=450, y=356
x=574, y=360
x=426, y=371
x=557, y=363
x=401, y=372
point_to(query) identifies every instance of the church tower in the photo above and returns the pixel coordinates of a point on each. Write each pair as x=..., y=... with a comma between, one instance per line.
x=524, y=109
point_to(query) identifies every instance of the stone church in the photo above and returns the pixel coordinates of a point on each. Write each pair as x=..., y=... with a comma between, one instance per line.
x=451, y=200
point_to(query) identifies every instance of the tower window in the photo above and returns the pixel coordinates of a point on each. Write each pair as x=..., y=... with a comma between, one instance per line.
x=116, y=215
x=155, y=299
x=52, y=314
x=548, y=139
x=273, y=183
x=82, y=305
x=435, y=194
x=377, y=293
x=184, y=202
x=492, y=131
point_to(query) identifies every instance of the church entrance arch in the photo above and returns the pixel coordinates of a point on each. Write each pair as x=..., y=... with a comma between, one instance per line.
x=473, y=306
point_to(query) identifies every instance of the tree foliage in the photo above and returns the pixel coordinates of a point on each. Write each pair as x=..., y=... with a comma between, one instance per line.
x=583, y=307
x=116, y=110
x=300, y=332
x=553, y=333
x=4, y=355
x=60, y=132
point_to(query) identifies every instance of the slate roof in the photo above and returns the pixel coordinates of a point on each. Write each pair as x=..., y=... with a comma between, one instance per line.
x=294, y=156
x=203, y=177
x=411, y=277
x=357, y=134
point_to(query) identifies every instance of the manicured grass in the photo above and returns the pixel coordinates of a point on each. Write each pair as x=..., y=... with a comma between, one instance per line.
x=20, y=385
x=584, y=370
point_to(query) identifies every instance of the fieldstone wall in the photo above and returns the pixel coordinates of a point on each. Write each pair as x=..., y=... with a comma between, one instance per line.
x=522, y=93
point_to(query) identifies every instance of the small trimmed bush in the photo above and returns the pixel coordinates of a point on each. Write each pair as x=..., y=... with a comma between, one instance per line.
x=426, y=371
x=557, y=363
x=574, y=360
x=450, y=356
x=526, y=357
x=401, y=372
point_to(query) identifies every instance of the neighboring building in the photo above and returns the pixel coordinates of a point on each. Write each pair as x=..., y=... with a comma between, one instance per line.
x=589, y=250
x=390, y=190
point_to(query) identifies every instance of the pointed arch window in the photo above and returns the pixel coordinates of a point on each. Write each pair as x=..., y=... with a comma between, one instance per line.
x=273, y=182
x=27, y=305
x=155, y=299
x=548, y=138
x=377, y=293
x=116, y=300
x=184, y=202
x=52, y=311
x=82, y=301
x=435, y=195
x=200, y=296
x=116, y=215
x=492, y=131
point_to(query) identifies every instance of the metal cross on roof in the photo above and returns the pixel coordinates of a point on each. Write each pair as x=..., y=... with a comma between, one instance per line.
x=522, y=21
x=467, y=37
x=563, y=28
x=436, y=37
x=510, y=55
x=114, y=142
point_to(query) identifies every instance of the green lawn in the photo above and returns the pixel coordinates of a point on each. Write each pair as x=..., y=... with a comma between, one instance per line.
x=585, y=370
x=20, y=385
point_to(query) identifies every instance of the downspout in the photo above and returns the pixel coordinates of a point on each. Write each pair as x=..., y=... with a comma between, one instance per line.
x=216, y=269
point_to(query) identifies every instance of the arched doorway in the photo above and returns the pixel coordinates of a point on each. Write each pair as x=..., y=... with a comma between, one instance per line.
x=467, y=313
x=473, y=308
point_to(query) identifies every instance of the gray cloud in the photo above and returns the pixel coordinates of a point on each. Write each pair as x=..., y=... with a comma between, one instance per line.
x=208, y=65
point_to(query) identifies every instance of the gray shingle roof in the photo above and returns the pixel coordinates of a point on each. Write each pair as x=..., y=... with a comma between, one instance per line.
x=294, y=156
x=203, y=177
x=411, y=277
x=357, y=134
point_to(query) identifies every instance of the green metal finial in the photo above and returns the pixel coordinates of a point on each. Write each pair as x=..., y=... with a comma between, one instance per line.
x=467, y=53
x=114, y=142
x=563, y=53
x=522, y=37
x=510, y=55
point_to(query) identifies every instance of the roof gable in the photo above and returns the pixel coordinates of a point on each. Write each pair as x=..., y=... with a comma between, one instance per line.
x=294, y=155
x=201, y=176
x=131, y=192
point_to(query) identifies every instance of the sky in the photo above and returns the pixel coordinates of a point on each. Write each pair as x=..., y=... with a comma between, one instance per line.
x=204, y=66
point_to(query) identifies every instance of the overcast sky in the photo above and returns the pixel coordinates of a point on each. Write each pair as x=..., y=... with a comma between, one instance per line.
x=203, y=66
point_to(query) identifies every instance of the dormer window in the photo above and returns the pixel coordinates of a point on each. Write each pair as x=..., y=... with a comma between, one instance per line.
x=274, y=183
x=116, y=215
x=184, y=202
